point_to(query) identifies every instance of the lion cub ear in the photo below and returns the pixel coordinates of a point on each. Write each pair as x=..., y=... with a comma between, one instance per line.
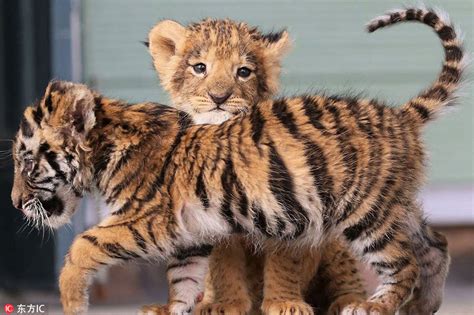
x=277, y=43
x=164, y=41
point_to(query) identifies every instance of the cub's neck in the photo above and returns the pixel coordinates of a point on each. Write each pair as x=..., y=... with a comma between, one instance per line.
x=130, y=142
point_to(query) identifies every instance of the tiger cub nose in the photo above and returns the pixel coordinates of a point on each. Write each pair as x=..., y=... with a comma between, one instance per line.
x=18, y=203
x=220, y=98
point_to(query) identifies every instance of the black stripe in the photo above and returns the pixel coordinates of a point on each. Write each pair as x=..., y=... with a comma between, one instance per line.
x=48, y=103
x=354, y=231
x=25, y=128
x=421, y=110
x=180, y=264
x=314, y=154
x=240, y=144
x=43, y=147
x=35, y=187
x=410, y=14
x=91, y=239
x=373, y=168
x=282, y=187
x=259, y=219
x=125, y=157
x=139, y=240
x=430, y=19
x=124, y=184
x=446, y=33
x=218, y=140
x=395, y=265
x=228, y=179
x=167, y=160
x=38, y=115
x=51, y=159
x=105, y=151
x=178, y=280
x=257, y=121
x=437, y=93
x=280, y=227
x=46, y=180
x=395, y=17
x=200, y=251
x=374, y=214
x=453, y=53
x=124, y=208
x=348, y=151
x=450, y=74
x=201, y=190
x=244, y=202
x=380, y=243
x=149, y=228
x=313, y=113
x=115, y=250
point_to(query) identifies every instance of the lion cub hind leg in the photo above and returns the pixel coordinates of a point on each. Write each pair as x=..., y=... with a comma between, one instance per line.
x=286, y=277
x=226, y=289
x=339, y=278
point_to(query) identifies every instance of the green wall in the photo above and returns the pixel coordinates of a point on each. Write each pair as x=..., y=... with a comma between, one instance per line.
x=331, y=52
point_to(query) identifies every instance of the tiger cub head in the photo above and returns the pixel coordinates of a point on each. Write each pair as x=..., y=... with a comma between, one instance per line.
x=50, y=154
x=215, y=69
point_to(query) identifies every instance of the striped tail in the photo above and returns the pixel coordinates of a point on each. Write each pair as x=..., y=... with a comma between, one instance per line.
x=441, y=93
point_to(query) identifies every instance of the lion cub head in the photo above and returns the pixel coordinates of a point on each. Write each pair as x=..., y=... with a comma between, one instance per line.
x=216, y=68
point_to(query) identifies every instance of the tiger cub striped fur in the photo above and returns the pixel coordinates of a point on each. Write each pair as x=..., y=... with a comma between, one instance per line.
x=238, y=66
x=308, y=168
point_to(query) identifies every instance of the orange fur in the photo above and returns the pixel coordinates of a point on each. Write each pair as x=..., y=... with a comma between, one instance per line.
x=228, y=47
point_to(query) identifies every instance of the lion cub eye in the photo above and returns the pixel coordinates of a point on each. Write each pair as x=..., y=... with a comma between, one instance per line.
x=199, y=68
x=244, y=72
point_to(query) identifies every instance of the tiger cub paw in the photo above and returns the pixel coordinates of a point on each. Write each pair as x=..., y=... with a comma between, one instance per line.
x=154, y=309
x=286, y=308
x=232, y=308
x=341, y=302
x=364, y=308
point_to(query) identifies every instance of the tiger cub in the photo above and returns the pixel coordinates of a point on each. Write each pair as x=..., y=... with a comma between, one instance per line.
x=213, y=70
x=310, y=168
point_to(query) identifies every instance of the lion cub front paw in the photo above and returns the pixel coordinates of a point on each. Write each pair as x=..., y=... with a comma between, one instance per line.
x=286, y=308
x=232, y=308
x=364, y=308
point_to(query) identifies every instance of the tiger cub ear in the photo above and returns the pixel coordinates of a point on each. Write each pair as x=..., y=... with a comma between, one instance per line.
x=164, y=41
x=69, y=105
x=277, y=43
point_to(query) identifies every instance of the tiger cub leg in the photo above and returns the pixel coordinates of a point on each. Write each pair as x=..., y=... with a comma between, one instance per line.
x=227, y=281
x=385, y=243
x=186, y=278
x=96, y=248
x=432, y=255
x=287, y=275
x=339, y=277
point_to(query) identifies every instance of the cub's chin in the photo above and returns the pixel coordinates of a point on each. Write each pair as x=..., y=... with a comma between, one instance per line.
x=213, y=117
x=51, y=213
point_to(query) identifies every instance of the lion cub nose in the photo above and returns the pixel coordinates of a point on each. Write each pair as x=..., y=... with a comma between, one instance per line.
x=220, y=98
